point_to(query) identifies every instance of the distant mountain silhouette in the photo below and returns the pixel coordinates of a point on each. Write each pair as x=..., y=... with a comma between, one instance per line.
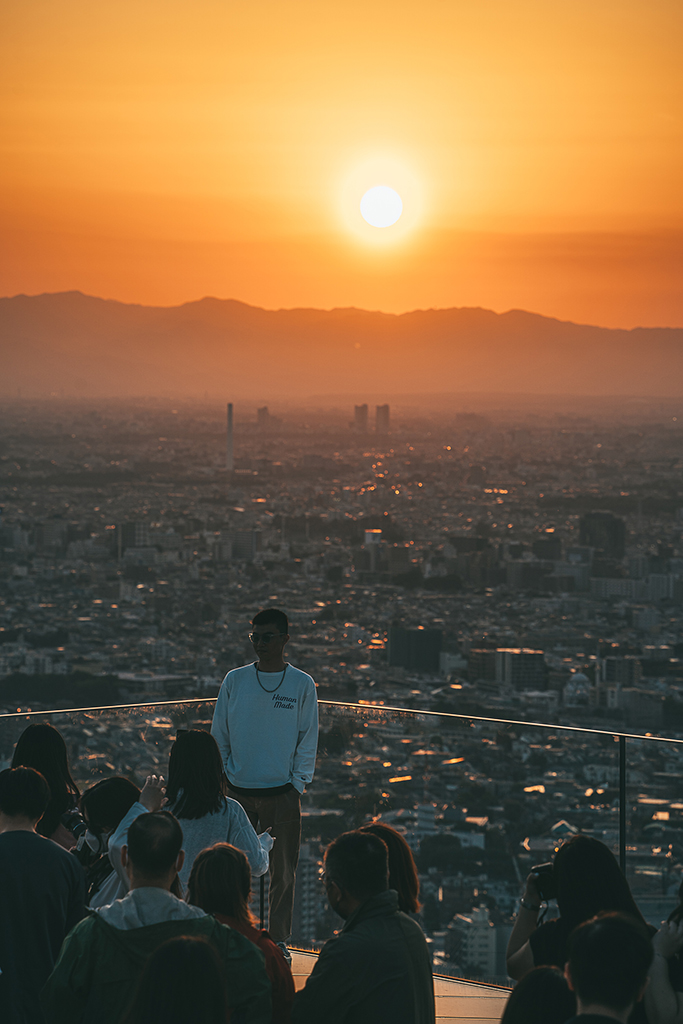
x=74, y=344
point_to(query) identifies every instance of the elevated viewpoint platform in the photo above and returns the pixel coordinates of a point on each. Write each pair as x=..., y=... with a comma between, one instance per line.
x=458, y=1002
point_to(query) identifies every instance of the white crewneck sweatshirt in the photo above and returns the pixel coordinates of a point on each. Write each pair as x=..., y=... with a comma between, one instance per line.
x=267, y=733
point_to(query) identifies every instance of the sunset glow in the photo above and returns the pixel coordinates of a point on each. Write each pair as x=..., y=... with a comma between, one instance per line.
x=157, y=153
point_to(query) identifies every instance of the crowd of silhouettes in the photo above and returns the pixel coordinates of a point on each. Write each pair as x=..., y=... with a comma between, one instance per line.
x=124, y=905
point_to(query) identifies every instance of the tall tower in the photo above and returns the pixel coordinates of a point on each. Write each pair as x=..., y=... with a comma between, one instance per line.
x=360, y=418
x=382, y=419
x=229, y=450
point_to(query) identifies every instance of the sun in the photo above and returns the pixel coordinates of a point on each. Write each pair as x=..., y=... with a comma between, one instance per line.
x=381, y=206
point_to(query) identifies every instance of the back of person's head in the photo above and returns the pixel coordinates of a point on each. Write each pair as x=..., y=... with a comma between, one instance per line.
x=41, y=747
x=403, y=875
x=589, y=881
x=608, y=961
x=358, y=862
x=541, y=997
x=272, y=617
x=196, y=781
x=220, y=882
x=154, y=842
x=182, y=981
x=24, y=793
x=107, y=802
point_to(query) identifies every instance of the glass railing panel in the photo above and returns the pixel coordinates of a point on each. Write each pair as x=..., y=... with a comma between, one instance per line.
x=479, y=803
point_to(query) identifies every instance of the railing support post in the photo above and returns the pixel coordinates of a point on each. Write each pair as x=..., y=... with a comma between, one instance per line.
x=622, y=803
x=262, y=900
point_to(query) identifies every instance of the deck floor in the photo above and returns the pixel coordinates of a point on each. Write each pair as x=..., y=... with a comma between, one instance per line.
x=456, y=1001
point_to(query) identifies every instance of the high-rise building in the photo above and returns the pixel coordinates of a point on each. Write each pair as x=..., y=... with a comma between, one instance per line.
x=134, y=535
x=245, y=544
x=418, y=650
x=521, y=667
x=360, y=418
x=604, y=531
x=263, y=418
x=382, y=419
x=306, y=896
x=229, y=449
x=626, y=671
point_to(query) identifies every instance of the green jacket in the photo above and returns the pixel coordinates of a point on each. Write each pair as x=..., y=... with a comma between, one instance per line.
x=98, y=968
x=376, y=969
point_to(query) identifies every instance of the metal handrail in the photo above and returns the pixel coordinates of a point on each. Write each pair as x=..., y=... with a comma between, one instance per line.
x=615, y=734
x=370, y=707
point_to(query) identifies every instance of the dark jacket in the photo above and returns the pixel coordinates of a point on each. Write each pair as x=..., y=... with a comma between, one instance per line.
x=99, y=966
x=377, y=969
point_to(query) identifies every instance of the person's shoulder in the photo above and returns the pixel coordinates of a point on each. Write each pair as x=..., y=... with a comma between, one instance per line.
x=33, y=846
x=236, y=675
x=301, y=677
x=231, y=942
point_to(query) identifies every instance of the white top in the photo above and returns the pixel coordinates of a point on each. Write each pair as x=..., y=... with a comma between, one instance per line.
x=230, y=824
x=267, y=733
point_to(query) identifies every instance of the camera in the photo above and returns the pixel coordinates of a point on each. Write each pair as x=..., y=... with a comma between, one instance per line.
x=73, y=820
x=546, y=882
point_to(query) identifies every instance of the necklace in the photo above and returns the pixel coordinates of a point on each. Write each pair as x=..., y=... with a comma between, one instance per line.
x=282, y=677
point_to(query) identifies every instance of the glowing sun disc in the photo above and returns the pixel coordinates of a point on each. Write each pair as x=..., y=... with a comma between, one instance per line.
x=381, y=206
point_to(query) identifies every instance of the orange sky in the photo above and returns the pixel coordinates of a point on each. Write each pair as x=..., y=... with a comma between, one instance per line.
x=157, y=151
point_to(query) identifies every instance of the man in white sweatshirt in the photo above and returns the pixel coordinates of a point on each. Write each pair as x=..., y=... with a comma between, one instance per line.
x=266, y=727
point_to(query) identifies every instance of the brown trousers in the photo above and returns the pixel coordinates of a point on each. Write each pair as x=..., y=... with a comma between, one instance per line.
x=282, y=814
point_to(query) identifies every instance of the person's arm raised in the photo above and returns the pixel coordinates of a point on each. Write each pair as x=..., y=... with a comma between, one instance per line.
x=519, y=957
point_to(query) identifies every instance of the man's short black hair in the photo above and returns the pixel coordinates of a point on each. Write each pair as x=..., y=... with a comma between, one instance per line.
x=358, y=862
x=609, y=960
x=154, y=842
x=23, y=793
x=274, y=617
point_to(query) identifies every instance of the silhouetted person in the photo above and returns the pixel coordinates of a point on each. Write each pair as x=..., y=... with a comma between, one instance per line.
x=266, y=726
x=103, y=806
x=220, y=883
x=403, y=876
x=378, y=967
x=103, y=957
x=42, y=747
x=183, y=981
x=607, y=968
x=42, y=895
x=541, y=997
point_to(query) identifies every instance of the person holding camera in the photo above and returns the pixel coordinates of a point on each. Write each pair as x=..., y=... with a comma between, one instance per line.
x=586, y=880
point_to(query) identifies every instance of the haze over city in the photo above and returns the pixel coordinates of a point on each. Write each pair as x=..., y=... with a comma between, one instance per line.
x=371, y=312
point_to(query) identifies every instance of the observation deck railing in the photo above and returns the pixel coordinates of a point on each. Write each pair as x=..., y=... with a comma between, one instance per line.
x=495, y=781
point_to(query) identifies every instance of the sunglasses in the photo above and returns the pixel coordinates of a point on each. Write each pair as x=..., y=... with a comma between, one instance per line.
x=264, y=637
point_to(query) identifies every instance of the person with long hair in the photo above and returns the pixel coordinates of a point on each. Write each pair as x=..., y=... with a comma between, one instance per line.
x=588, y=881
x=403, y=877
x=42, y=747
x=220, y=883
x=196, y=793
x=541, y=997
x=182, y=981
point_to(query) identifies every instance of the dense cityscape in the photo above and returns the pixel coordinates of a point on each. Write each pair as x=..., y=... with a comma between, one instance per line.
x=510, y=564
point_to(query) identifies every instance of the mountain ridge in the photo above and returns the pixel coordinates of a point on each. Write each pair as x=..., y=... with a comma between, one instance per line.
x=82, y=345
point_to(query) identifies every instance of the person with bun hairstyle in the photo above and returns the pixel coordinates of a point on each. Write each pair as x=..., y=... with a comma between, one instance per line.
x=403, y=876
